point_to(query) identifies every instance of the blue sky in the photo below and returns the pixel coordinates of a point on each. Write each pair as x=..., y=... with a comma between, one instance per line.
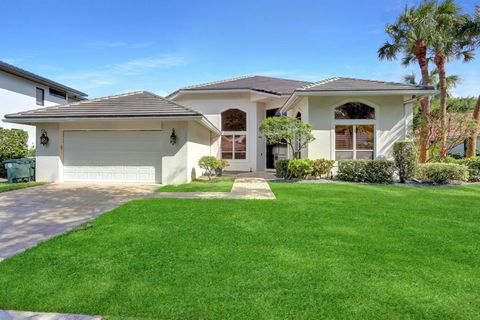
x=108, y=47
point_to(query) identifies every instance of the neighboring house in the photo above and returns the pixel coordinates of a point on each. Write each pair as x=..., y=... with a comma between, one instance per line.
x=461, y=148
x=127, y=138
x=20, y=90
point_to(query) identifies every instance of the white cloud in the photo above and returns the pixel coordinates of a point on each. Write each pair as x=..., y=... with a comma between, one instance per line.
x=118, y=73
x=120, y=44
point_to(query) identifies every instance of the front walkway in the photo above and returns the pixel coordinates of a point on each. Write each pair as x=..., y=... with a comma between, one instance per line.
x=243, y=188
x=24, y=315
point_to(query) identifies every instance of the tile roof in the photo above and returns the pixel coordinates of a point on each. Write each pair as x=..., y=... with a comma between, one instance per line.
x=134, y=104
x=271, y=85
x=36, y=78
x=352, y=84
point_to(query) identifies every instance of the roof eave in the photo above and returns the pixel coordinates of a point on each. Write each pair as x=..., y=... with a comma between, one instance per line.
x=45, y=82
x=177, y=93
x=34, y=120
x=359, y=93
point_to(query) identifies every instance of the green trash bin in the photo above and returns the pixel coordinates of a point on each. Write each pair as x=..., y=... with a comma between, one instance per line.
x=31, y=160
x=19, y=170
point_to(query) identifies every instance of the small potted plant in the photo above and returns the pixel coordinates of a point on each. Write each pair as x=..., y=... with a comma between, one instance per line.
x=222, y=164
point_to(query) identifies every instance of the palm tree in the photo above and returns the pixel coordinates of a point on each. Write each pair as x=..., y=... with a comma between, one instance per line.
x=447, y=44
x=471, y=27
x=452, y=81
x=410, y=36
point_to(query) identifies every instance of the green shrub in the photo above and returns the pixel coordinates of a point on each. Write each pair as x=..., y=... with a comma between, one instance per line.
x=351, y=170
x=473, y=165
x=13, y=145
x=373, y=171
x=281, y=168
x=322, y=167
x=379, y=171
x=299, y=168
x=405, y=157
x=442, y=173
x=209, y=164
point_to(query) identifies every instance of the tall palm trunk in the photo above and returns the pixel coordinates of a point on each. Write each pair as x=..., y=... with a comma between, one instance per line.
x=439, y=61
x=472, y=140
x=420, y=52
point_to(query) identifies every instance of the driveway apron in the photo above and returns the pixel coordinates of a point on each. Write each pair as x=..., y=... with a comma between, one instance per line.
x=33, y=215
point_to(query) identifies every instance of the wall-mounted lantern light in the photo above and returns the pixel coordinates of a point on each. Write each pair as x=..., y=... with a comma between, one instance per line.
x=173, y=138
x=44, y=138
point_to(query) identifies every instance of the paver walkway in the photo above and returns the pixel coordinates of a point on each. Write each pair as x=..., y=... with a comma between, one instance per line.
x=243, y=188
x=32, y=215
x=24, y=315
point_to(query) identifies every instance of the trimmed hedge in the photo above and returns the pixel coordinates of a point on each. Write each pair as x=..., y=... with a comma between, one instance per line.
x=473, y=165
x=373, y=171
x=281, y=168
x=322, y=167
x=405, y=157
x=299, y=168
x=442, y=173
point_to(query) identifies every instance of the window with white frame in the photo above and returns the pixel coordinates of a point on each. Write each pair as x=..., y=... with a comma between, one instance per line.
x=234, y=135
x=354, y=132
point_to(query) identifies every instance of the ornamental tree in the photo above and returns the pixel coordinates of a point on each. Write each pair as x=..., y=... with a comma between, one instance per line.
x=282, y=129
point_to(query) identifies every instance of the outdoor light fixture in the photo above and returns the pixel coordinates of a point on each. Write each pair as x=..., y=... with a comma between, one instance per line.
x=44, y=138
x=173, y=138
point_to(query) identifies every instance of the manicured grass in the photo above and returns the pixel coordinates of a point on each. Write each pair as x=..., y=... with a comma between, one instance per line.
x=4, y=187
x=219, y=184
x=336, y=251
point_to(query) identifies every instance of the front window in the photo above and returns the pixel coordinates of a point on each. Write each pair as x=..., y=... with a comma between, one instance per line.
x=234, y=135
x=354, y=110
x=40, y=96
x=354, y=142
x=354, y=131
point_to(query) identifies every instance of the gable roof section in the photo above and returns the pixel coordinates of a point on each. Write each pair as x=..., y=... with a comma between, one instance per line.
x=353, y=84
x=342, y=86
x=39, y=79
x=133, y=105
x=276, y=86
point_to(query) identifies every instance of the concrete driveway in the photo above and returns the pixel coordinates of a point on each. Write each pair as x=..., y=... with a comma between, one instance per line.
x=32, y=215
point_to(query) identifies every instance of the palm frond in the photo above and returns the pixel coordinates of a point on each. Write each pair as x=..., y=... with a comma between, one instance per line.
x=410, y=78
x=388, y=51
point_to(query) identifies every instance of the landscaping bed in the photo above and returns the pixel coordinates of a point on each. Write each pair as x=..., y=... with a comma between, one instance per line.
x=336, y=250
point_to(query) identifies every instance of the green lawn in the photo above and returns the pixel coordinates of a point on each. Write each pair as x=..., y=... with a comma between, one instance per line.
x=219, y=184
x=339, y=251
x=4, y=187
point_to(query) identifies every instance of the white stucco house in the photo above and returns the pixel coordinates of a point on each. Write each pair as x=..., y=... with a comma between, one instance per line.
x=141, y=137
x=21, y=90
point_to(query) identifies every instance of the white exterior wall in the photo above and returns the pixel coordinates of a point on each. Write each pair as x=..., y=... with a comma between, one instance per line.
x=198, y=146
x=175, y=161
x=261, y=142
x=255, y=105
x=302, y=107
x=18, y=94
x=212, y=105
x=392, y=122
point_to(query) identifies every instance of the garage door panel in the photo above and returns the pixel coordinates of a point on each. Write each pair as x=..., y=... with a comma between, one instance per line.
x=113, y=156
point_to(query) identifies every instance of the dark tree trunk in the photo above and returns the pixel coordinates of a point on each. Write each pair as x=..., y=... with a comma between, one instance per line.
x=472, y=140
x=420, y=52
x=440, y=63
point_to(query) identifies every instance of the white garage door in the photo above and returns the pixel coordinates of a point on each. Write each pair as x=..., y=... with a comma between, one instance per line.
x=113, y=156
